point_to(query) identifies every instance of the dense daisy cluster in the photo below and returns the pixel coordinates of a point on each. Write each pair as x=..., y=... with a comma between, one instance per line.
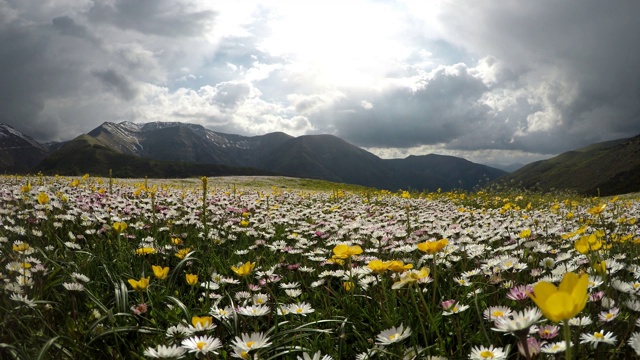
x=103, y=268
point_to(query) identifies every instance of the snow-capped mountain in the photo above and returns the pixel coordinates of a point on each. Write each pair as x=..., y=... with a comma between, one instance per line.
x=185, y=142
x=19, y=152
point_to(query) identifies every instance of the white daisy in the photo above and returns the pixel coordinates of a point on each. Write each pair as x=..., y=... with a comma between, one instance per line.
x=302, y=308
x=597, y=338
x=317, y=356
x=73, y=286
x=249, y=342
x=553, y=348
x=253, y=310
x=517, y=321
x=634, y=342
x=491, y=352
x=201, y=344
x=165, y=352
x=393, y=335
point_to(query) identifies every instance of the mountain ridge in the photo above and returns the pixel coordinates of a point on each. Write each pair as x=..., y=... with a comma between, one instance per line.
x=325, y=157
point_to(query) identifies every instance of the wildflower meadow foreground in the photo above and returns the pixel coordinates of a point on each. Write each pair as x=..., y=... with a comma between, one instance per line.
x=133, y=269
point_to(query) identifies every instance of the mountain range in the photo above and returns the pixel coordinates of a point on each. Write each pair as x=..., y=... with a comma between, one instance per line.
x=173, y=149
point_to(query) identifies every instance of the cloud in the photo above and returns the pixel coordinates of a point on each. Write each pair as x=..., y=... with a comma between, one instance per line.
x=117, y=82
x=437, y=108
x=156, y=17
x=490, y=79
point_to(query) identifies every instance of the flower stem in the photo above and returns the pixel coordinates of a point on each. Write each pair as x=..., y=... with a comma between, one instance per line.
x=431, y=319
x=567, y=339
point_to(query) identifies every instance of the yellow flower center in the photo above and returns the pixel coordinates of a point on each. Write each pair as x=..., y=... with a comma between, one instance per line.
x=497, y=313
x=598, y=336
x=250, y=344
x=201, y=344
x=609, y=316
x=486, y=354
x=394, y=336
x=299, y=311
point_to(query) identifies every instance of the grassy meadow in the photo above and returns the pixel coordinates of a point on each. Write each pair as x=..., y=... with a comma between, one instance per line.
x=281, y=268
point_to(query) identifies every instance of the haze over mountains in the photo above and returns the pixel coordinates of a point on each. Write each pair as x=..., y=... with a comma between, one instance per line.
x=167, y=149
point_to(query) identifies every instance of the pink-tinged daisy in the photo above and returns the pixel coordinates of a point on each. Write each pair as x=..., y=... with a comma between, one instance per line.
x=520, y=292
x=532, y=347
x=548, y=331
x=455, y=309
x=606, y=316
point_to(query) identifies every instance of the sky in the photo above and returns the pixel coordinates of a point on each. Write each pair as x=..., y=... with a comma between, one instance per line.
x=495, y=82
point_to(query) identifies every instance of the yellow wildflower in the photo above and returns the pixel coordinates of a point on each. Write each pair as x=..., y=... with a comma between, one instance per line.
x=411, y=276
x=139, y=285
x=145, y=251
x=378, y=266
x=399, y=266
x=160, y=272
x=344, y=251
x=192, y=279
x=244, y=269
x=348, y=285
x=203, y=321
x=432, y=247
x=180, y=254
x=119, y=226
x=562, y=302
x=600, y=268
x=43, y=198
x=21, y=247
x=588, y=243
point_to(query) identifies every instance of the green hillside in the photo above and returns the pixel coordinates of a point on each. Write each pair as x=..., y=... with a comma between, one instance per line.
x=607, y=168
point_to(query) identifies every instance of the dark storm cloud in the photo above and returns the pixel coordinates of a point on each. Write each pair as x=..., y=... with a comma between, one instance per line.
x=579, y=57
x=67, y=26
x=67, y=67
x=439, y=110
x=117, y=82
x=28, y=79
x=164, y=18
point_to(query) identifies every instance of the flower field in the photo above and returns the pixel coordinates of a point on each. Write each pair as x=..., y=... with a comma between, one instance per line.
x=98, y=268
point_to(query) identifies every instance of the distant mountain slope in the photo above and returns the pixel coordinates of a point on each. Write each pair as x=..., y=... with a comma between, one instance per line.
x=141, y=150
x=18, y=152
x=439, y=171
x=86, y=154
x=611, y=167
x=330, y=158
